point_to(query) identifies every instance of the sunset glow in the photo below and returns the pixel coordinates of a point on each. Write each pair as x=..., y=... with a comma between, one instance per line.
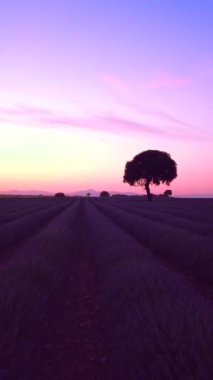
x=85, y=86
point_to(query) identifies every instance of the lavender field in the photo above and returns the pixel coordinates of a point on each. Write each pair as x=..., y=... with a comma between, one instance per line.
x=106, y=288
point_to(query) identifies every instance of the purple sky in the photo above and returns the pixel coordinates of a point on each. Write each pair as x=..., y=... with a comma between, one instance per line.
x=88, y=85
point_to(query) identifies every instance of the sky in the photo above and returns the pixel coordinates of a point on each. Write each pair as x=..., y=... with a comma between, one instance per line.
x=85, y=85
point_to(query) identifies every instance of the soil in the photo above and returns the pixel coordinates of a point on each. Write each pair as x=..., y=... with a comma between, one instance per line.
x=76, y=346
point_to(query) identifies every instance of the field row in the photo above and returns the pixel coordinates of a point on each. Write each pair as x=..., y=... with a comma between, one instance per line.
x=22, y=226
x=182, y=248
x=31, y=286
x=188, y=222
x=196, y=210
x=156, y=323
x=16, y=208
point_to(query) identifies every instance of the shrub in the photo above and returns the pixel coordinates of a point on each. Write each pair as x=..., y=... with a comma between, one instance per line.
x=59, y=195
x=104, y=194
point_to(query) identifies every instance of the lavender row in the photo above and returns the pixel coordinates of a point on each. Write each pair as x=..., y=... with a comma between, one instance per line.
x=10, y=205
x=8, y=216
x=156, y=326
x=14, y=231
x=196, y=213
x=188, y=252
x=31, y=286
x=205, y=229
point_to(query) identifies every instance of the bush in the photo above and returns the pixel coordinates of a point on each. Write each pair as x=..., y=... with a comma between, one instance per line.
x=168, y=193
x=59, y=195
x=104, y=194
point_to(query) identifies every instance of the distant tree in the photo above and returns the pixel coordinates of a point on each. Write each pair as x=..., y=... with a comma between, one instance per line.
x=168, y=193
x=88, y=194
x=104, y=194
x=59, y=195
x=148, y=168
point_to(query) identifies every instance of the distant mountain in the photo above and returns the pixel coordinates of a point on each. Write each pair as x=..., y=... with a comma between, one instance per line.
x=83, y=193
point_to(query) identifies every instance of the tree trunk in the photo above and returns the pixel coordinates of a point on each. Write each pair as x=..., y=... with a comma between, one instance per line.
x=149, y=195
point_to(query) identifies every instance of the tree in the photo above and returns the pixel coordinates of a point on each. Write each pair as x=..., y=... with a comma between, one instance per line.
x=59, y=195
x=168, y=193
x=88, y=194
x=104, y=194
x=148, y=168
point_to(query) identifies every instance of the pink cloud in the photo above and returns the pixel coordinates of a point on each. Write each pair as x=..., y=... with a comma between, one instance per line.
x=159, y=81
x=31, y=111
x=23, y=111
x=168, y=81
x=104, y=123
x=122, y=124
x=9, y=111
x=34, y=117
x=159, y=115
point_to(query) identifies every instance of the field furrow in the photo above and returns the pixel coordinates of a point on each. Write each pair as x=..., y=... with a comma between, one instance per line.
x=198, y=228
x=174, y=208
x=157, y=326
x=14, y=231
x=49, y=307
x=7, y=216
x=190, y=253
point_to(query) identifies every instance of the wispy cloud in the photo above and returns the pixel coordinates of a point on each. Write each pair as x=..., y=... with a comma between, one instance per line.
x=161, y=116
x=23, y=111
x=44, y=118
x=167, y=81
x=178, y=126
x=123, y=124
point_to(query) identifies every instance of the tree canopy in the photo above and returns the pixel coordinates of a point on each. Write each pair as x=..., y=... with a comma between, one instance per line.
x=168, y=193
x=59, y=195
x=104, y=194
x=150, y=167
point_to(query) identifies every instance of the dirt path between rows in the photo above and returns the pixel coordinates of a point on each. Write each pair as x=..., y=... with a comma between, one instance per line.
x=76, y=347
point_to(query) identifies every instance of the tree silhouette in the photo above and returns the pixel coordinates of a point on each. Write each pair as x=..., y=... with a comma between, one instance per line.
x=104, y=194
x=148, y=168
x=59, y=195
x=168, y=193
